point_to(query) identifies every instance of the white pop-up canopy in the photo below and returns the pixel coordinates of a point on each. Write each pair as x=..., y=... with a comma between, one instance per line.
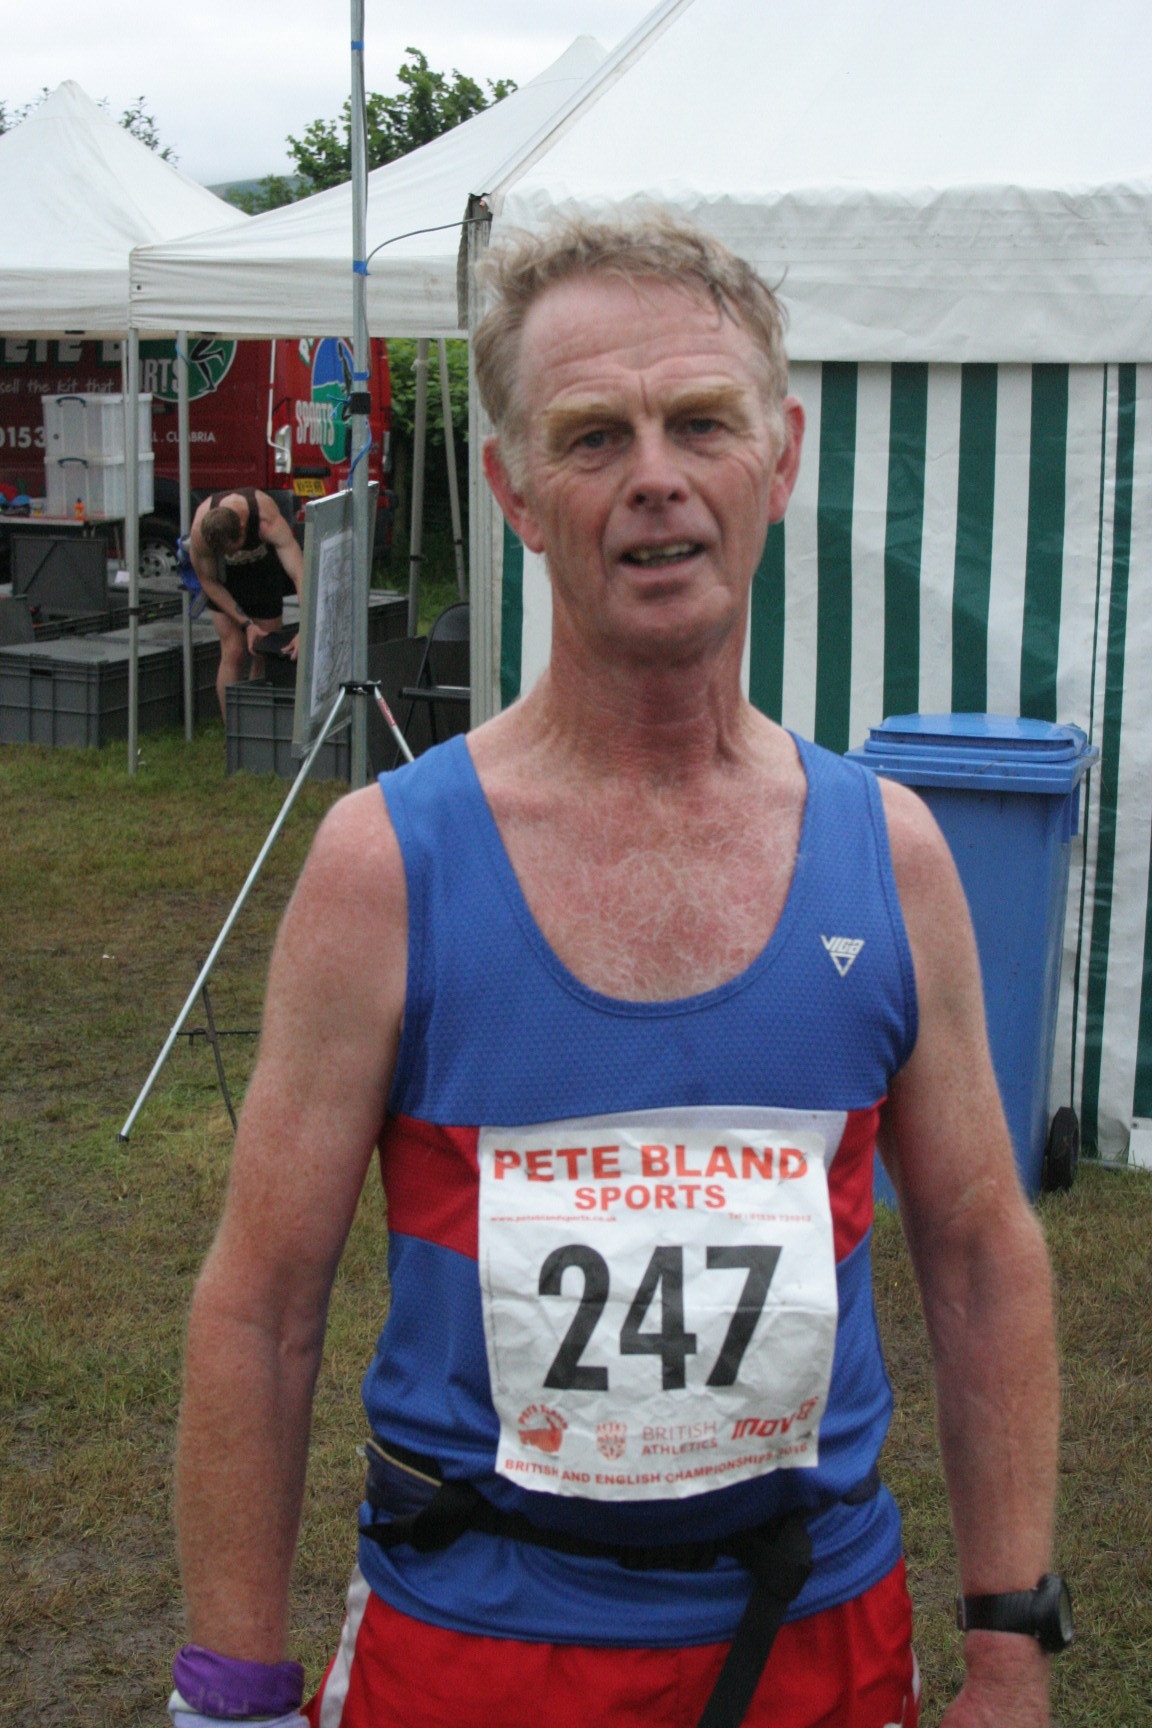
x=288, y=272
x=77, y=192
x=931, y=182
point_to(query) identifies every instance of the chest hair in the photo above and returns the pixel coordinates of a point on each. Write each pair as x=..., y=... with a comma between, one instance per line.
x=656, y=895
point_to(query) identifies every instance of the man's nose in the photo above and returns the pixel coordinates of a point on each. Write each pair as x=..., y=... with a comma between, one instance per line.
x=657, y=476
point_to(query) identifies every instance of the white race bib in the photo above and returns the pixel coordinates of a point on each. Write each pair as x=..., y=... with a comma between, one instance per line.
x=659, y=1294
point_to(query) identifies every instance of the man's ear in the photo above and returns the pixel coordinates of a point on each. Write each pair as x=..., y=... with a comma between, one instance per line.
x=517, y=510
x=788, y=461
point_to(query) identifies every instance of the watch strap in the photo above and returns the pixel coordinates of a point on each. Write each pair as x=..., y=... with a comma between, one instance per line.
x=1011, y=1611
x=1044, y=1613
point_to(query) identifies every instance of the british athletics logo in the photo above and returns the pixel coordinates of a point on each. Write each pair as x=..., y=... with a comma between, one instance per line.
x=842, y=951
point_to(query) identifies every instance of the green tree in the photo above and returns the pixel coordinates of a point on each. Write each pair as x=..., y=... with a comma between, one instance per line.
x=427, y=104
x=143, y=126
x=268, y=194
x=402, y=367
x=402, y=370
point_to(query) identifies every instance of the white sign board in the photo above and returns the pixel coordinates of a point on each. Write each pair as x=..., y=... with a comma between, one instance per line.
x=324, y=659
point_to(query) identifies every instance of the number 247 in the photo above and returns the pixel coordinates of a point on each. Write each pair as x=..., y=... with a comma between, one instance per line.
x=671, y=1342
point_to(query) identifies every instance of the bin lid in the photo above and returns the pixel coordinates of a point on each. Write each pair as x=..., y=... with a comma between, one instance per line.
x=988, y=752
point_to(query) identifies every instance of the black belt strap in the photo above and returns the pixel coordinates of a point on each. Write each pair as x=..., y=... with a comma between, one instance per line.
x=777, y=1555
x=779, y=1569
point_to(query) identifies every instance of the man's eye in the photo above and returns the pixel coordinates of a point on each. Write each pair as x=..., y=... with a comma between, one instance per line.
x=700, y=425
x=594, y=440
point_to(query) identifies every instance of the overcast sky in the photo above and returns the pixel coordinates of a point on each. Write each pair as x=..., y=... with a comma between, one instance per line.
x=228, y=80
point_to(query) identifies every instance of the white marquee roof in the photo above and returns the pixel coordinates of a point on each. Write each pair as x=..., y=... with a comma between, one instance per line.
x=77, y=192
x=289, y=271
x=936, y=182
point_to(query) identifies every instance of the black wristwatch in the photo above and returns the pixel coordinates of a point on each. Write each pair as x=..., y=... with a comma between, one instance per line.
x=1044, y=1613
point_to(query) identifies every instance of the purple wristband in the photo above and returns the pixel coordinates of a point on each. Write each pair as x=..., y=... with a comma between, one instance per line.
x=227, y=1686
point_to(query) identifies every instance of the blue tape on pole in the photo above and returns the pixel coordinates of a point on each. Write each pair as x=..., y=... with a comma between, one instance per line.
x=359, y=267
x=361, y=377
x=358, y=47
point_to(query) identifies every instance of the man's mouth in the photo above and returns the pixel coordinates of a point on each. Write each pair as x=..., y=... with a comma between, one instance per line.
x=648, y=557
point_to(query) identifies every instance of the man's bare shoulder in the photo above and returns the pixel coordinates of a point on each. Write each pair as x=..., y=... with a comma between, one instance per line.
x=346, y=923
x=269, y=516
x=355, y=859
x=936, y=918
x=921, y=861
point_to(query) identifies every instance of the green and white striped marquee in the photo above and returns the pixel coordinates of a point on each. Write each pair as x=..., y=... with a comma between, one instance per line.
x=968, y=538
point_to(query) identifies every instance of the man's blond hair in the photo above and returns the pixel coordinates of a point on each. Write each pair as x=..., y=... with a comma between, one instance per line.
x=653, y=246
x=221, y=530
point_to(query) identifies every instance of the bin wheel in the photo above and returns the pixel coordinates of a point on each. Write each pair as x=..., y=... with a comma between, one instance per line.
x=1062, y=1153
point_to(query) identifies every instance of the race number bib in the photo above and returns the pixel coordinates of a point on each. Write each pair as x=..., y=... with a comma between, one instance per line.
x=659, y=1295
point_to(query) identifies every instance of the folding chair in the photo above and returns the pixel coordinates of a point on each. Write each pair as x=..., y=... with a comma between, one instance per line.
x=444, y=675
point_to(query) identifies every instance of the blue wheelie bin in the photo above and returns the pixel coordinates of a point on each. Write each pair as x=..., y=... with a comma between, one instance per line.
x=1006, y=793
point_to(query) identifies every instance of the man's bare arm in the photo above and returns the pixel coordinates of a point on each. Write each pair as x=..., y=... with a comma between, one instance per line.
x=983, y=1273
x=279, y=535
x=310, y=1121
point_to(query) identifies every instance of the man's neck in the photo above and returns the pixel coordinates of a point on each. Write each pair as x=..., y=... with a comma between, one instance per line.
x=643, y=717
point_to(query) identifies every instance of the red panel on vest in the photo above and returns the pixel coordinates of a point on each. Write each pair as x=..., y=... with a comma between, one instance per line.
x=431, y=1178
x=850, y=1181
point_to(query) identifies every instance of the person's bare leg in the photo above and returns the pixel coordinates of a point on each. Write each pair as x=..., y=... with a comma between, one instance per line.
x=233, y=656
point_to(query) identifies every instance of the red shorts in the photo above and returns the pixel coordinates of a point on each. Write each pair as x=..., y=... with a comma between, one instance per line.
x=849, y=1667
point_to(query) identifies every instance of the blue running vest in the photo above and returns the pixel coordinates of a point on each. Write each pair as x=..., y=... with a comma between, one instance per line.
x=497, y=1031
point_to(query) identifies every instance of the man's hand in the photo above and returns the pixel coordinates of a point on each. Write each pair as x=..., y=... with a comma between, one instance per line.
x=1007, y=1684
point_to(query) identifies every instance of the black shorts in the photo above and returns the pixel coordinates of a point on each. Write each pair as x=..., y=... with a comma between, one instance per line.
x=258, y=588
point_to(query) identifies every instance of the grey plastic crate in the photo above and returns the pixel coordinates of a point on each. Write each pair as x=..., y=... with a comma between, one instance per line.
x=387, y=622
x=169, y=633
x=158, y=599
x=51, y=629
x=387, y=616
x=259, y=727
x=75, y=692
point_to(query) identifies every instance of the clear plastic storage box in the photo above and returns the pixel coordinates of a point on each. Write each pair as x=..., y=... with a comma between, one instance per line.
x=99, y=488
x=92, y=425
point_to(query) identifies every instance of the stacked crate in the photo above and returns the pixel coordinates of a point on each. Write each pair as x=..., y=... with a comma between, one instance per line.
x=85, y=470
x=75, y=691
x=169, y=633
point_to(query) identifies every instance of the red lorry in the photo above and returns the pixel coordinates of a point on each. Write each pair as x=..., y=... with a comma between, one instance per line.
x=266, y=414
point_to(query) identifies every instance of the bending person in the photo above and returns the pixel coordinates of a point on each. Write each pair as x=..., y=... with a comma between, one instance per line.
x=246, y=559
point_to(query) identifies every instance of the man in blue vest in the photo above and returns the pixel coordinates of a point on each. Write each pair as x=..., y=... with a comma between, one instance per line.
x=627, y=987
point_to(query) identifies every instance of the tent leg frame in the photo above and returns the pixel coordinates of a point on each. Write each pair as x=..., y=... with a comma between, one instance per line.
x=238, y=906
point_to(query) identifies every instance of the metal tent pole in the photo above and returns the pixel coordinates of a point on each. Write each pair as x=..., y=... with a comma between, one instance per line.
x=419, y=446
x=453, y=477
x=132, y=542
x=360, y=405
x=237, y=908
x=484, y=523
x=185, y=470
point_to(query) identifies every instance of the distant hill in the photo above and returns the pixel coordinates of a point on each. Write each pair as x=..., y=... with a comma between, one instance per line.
x=226, y=187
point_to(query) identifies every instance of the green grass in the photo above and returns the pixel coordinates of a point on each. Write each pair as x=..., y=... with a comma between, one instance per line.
x=114, y=890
